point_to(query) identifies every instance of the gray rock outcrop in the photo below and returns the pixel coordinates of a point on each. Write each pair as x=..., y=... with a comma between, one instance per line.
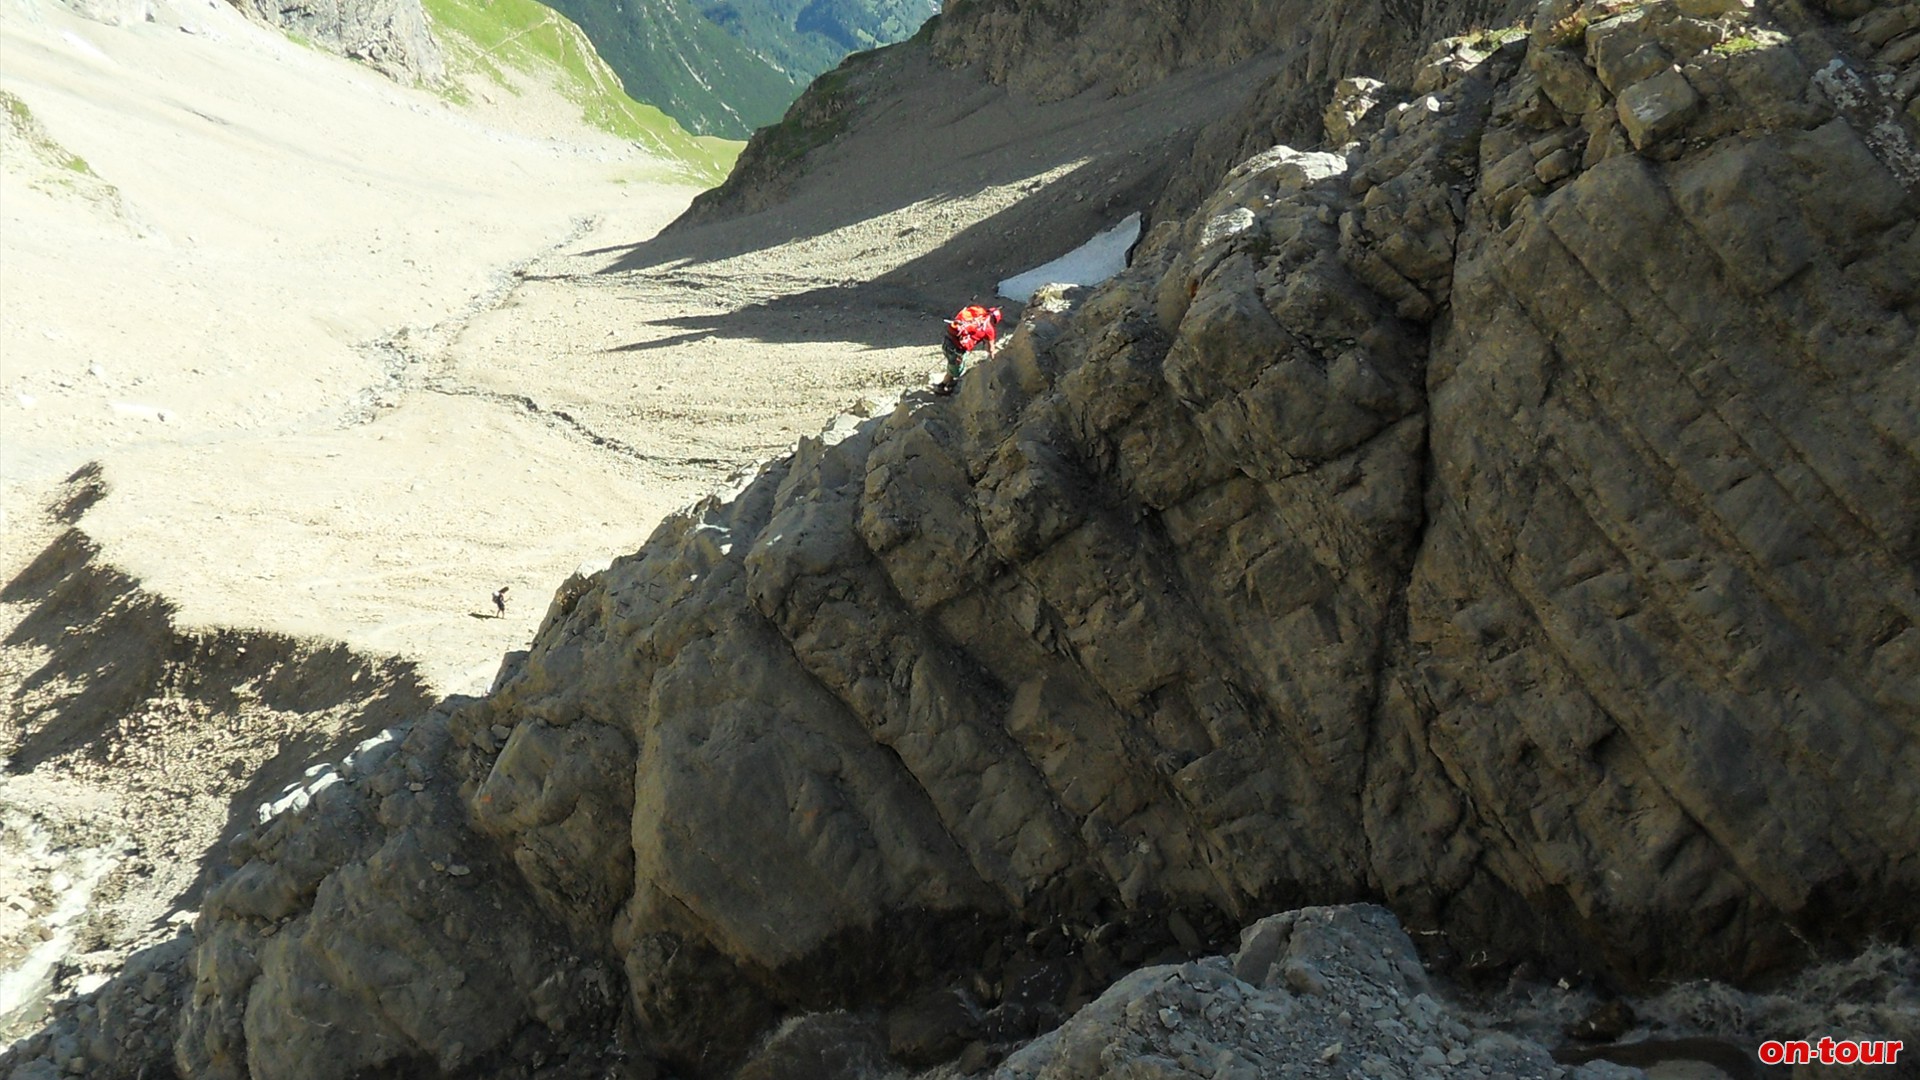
x=391, y=36
x=1337, y=992
x=1329, y=987
x=1515, y=518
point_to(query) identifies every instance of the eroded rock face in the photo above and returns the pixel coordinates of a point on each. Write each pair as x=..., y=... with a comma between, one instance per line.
x=375, y=931
x=1062, y=47
x=1293, y=56
x=1513, y=518
x=391, y=36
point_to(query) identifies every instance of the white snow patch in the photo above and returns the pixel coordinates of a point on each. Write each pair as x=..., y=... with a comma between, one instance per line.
x=1089, y=264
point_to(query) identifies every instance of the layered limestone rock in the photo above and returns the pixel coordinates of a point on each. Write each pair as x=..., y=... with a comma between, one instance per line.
x=1514, y=517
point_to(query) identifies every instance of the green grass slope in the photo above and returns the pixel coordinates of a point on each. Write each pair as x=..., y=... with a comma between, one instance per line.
x=496, y=37
x=36, y=157
x=727, y=67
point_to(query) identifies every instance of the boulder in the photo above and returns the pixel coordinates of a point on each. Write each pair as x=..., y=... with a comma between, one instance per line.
x=1373, y=1007
x=1352, y=100
x=1656, y=107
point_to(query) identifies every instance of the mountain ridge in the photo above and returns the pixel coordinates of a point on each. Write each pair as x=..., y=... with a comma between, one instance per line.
x=729, y=68
x=1055, y=51
x=481, y=42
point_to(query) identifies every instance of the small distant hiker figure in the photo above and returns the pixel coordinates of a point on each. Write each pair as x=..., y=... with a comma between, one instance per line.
x=972, y=328
x=500, y=602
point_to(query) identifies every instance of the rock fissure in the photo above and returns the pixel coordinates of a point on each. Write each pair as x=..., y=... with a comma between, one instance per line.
x=1616, y=707
x=1744, y=429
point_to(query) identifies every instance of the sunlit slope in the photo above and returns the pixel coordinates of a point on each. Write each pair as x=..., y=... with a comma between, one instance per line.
x=727, y=67
x=501, y=39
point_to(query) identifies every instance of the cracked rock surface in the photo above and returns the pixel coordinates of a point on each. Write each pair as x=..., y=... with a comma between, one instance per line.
x=1511, y=515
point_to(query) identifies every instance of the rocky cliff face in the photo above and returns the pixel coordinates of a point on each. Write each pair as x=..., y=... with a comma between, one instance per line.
x=1061, y=48
x=1511, y=516
x=391, y=36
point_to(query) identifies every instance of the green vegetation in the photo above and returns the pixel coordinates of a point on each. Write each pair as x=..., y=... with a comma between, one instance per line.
x=1488, y=41
x=1749, y=41
x=22, y=125
x=1570, y=31
x=728, y=67
x=494, y=38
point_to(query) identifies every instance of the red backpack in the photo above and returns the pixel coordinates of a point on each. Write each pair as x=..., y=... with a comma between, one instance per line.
x=973, y=325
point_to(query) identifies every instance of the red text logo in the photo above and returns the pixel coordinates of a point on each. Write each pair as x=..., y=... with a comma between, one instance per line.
x=1830, y=1051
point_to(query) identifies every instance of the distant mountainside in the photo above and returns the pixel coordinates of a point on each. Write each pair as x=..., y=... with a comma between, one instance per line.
x=459, y=46
x=726, y=67
x=492, y=40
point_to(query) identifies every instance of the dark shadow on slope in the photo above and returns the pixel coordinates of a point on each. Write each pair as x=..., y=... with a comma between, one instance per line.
x=115, y=663
x=118, y=683
x=904, y=306
x=885, y=317
x=116, y=689
x=80, y=611
x=84, y=487
x=944, y=135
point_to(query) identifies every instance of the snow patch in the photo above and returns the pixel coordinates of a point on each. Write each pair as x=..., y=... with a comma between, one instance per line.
x=1089, y=264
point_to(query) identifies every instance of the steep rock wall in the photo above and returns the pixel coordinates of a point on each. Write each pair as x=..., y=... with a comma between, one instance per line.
x=1056, y=48
x=1512, y=518
x=1059, y=48
x=390, y=36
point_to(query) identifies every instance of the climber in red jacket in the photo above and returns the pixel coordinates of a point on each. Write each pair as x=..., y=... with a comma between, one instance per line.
x=973, y=327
